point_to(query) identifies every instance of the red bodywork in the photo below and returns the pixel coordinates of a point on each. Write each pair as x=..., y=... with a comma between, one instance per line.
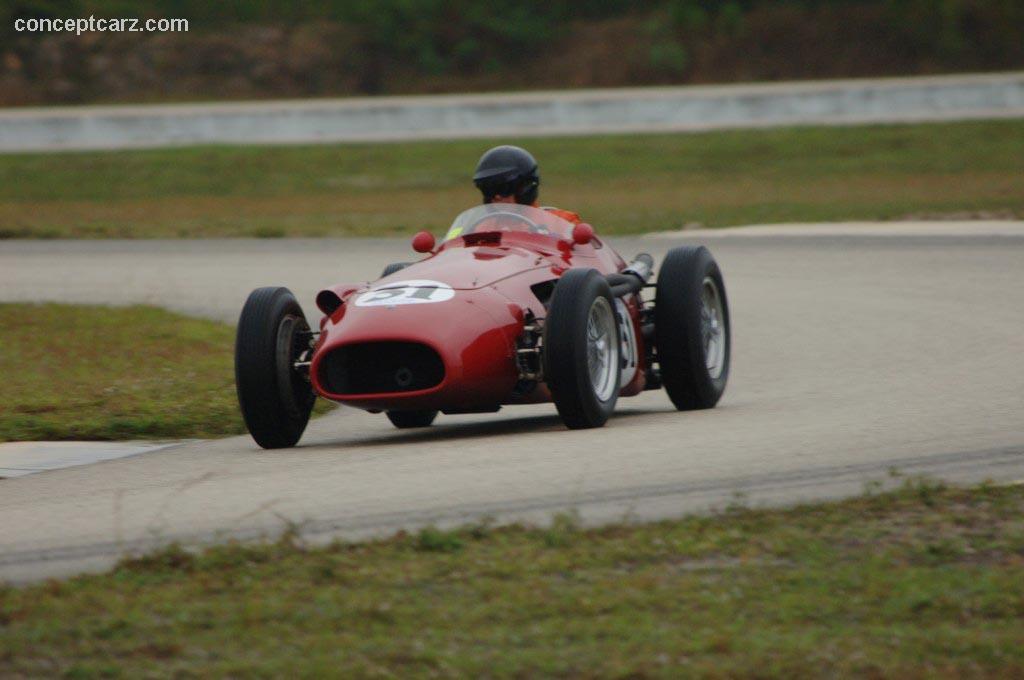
x=475, y=331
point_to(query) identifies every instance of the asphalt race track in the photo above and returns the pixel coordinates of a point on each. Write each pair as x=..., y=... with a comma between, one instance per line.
x=858, y=351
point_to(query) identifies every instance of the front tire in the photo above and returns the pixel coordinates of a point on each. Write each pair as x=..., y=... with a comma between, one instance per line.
x=275, y=398
x=581, y=349
x=692, y=331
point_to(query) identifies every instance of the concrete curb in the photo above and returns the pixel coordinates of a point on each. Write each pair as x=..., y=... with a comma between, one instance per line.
x=18, y=459
x=894, y=229
x=660, y=109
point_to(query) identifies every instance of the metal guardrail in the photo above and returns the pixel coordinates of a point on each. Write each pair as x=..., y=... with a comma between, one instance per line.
x=655, y=109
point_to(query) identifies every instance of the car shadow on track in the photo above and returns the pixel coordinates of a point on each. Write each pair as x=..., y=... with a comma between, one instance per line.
x=547, y=423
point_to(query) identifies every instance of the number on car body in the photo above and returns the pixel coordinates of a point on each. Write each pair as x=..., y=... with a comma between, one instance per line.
x=406, y=293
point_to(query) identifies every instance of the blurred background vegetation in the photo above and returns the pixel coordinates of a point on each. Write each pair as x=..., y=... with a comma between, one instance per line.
x=297, y=48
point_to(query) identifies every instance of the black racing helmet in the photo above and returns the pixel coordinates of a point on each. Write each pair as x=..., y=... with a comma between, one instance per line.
x=507, y=171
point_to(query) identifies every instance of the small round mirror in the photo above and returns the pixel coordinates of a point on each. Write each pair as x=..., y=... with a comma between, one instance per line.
x=582, y=233
x=423, y=242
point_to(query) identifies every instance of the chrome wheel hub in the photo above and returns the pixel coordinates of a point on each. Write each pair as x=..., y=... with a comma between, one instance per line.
x=602, y=349
x=712, y=328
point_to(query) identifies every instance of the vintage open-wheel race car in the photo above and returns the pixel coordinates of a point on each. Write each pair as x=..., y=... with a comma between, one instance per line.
x=516, y=306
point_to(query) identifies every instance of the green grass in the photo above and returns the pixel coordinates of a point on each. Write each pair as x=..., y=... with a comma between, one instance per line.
x=923, y=582
x=623, y=184
x=75, y=372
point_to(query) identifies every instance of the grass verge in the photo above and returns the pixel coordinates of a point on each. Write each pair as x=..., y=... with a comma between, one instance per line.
x=926, y=581
x=80, y=372
x=623, y=184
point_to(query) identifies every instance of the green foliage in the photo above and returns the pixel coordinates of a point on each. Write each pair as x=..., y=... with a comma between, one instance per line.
x=668, y=57
x=729, y=20
x=689, y=15
x=467, y=37
x=438, y=35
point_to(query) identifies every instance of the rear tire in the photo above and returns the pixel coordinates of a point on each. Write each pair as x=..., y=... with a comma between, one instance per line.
x=581, y=349
x=275, y=398
x=405, y=420
x=692, y=331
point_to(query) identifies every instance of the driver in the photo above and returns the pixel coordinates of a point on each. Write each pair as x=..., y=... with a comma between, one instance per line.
x=509, y=174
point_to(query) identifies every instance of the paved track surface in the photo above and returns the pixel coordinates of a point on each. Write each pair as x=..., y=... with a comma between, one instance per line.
x=855, y=353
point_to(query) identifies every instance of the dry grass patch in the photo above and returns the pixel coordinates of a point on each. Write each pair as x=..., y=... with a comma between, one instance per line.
x=623, y=184
x=83, y=372
x=926, y=581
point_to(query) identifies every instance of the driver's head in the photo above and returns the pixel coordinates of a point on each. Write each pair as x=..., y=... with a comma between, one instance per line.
x=507, y=174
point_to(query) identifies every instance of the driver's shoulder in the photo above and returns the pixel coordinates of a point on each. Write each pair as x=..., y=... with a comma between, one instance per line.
x=566, y=215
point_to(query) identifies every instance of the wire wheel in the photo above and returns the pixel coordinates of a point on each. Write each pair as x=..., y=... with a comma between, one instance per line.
x=602, y=349
x=581, y=349
x=691, y=328
x=712, y=327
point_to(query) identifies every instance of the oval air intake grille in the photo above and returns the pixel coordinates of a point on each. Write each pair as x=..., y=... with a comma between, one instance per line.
x=379, y=367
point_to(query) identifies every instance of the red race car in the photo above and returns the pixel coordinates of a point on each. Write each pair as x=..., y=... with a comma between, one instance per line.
x=516, y=306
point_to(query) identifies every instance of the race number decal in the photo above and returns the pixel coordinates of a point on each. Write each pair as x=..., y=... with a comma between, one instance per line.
x=416, y=292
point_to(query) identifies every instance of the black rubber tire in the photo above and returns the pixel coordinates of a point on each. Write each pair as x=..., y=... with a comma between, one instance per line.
x=405, y=420
x=565, y=350
x=394, y=267
x=677, y=326
x=275, y=399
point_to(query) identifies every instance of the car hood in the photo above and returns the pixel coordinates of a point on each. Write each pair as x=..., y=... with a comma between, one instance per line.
x=468, y=268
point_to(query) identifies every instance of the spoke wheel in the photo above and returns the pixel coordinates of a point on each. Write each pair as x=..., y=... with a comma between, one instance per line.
x=691, y=328
x=582, y=349
x=601, y=349
x=712, y=328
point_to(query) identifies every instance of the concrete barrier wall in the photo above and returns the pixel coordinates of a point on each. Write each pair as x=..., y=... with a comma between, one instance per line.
x=523, y=114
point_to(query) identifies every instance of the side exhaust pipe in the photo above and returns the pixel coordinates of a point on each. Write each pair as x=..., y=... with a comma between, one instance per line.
x=634, y=277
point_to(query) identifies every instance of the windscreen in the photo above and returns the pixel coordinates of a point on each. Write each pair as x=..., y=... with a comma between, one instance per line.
x=509, y=217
